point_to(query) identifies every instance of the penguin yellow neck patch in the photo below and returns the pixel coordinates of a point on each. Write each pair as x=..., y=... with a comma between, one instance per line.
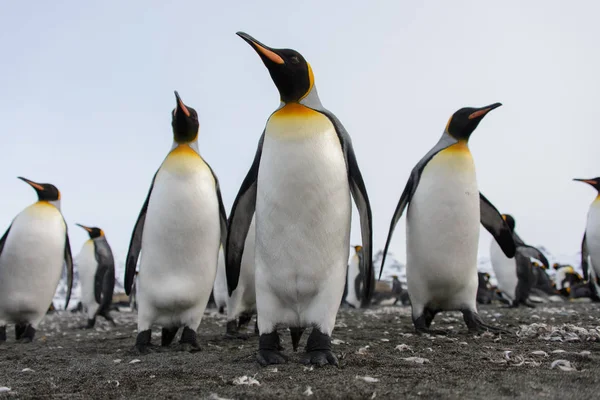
x=295, y=121
x=183, y=159
x=311, y=80
x=460, y=147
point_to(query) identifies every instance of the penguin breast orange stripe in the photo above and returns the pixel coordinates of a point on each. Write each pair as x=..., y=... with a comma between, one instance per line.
x=295, y=121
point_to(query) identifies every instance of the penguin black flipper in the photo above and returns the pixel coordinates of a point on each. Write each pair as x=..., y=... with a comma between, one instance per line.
x=222, y=212
x=361, y=199
x=492, y=221
x=3, y=239
x=240, y=219
x=532, y=252
x=104, y=280
x=69, y=264
x=135, y=245
x=584, y=257
x=411, y=187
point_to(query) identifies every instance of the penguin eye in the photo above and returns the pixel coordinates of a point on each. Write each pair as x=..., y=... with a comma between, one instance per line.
x=294, y=60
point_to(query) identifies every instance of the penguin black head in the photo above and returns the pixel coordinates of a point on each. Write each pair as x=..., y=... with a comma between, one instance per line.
x=45, y=191
x=595, y=182
x=93, y=231
x=357, y=248
x=463, y=122
x=510, y=221
x=290, y=72
x=184, y=122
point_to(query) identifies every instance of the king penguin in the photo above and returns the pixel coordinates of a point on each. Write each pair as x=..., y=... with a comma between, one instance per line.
x=354, y=279
x=515, y=275
x=32, y=251
x=590, y=245
x=299, y=185
x=442, y=226
x=241, y=305
x=180, y=228
x=96, y=266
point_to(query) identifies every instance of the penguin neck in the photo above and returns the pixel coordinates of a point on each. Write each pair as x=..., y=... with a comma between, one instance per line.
x=192, y=145
x=311, y=99
x=55, y=203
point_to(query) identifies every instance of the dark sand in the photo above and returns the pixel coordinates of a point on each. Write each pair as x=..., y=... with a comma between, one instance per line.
x=69, y=363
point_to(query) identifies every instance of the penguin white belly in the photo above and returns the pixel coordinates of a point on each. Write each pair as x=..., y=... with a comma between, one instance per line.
x=592, y=235
x=443, y=233
x=180, y=243
x=243, y=298
x=505, y=270
x=87, y=266
x=220, y=286
x=353, y=271
x=31, y=264
x=303, y=215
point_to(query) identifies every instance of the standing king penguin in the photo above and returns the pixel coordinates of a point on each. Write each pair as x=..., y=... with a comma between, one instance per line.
x=442, y=226
x=32, y=252
x=96, y=267
x=180, y=228
x=355, y=279
x=590, y=245
x=299, y=185
x=515, y=275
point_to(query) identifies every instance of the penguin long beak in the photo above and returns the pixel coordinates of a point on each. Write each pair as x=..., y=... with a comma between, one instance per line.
x=480, y=113
x=85, y=227
x=588, y=181
x=33, y=184
x=180, y=106
x=265, y=52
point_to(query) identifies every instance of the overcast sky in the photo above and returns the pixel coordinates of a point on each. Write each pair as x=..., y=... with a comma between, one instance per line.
x=86, y=93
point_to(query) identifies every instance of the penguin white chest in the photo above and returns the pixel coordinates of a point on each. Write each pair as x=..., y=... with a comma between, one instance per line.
x=353, y=285
x=593, y=234
x=31, y=263
x=505, y=270
x=87, y=265
x=181, y=238
x=303, y=217
x=443, y=232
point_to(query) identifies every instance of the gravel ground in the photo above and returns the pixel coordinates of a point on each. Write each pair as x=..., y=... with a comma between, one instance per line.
x=380, y=357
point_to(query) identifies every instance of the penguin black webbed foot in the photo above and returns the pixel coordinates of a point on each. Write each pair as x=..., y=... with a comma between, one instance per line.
x=2, y=334
x=25, y=333
x=269, y=350
x=189, y=341
x=233, y=332
x=427, y=331
x=266, y=357
x=476, y=324
x=142, y=343
x=318, y=350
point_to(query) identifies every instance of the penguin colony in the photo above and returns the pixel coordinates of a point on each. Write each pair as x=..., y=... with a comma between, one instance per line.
x=295, y=200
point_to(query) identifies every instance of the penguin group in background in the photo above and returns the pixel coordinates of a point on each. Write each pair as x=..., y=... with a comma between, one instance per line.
x=442, y=226
x=241, y=305
x=355, y=279
x=515, y=275
x=299, y=186
x=220, y=285
x=96, y=266
x=32, y=252
x=485, y=294
x=180, y=228
x=565, y=278
x=590, y=245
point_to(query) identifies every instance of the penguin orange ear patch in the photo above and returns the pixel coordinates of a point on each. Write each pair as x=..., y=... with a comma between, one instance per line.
x=271, y=55
x=479, y=113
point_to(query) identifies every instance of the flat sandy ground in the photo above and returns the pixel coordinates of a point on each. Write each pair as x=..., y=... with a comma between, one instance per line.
x=380, y=357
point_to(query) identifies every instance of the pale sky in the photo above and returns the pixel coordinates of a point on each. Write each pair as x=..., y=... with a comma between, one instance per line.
x=86, y=93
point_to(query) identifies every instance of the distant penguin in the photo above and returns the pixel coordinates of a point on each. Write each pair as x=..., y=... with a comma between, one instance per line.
x=485, y=295
x=96, y=266
x=442, y=226
x=515, y=275
x=565, y=278
x=220, y=285
x=590, y=245
x=355, y=279
x=241, y=305
x=32, y=252
x=299, y=185
x=180, y=228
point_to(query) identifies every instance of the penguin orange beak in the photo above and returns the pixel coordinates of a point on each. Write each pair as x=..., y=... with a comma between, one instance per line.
x=33, y=184
x=484, y=110
x=265, y=52
x=180, y=105
x=588, y=181
x=85, y=227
